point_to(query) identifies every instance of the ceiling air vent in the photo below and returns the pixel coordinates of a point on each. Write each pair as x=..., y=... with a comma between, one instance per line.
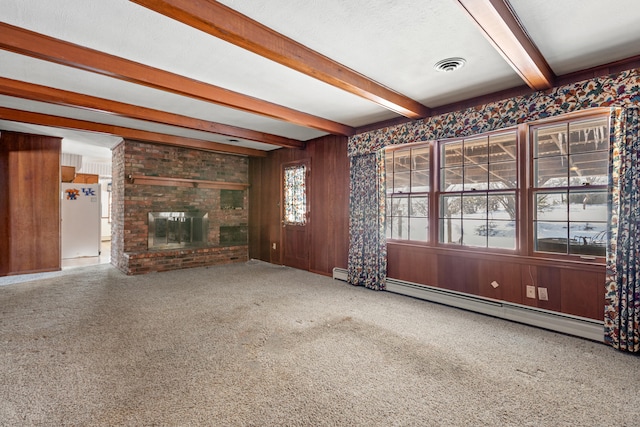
x=449, y=64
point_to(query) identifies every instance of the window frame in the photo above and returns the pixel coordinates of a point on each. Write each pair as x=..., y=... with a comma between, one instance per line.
x=533, y=190
x=440, y=193
x=524, y=192
x=396, y=195
x=303, y=210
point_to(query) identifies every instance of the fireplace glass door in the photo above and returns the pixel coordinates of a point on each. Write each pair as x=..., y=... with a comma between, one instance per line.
x=177, y=229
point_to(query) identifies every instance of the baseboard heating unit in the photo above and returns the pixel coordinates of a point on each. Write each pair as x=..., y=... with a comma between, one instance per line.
x=551, y=320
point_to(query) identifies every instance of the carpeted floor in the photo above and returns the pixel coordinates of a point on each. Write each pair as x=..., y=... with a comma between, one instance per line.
x=260, y=345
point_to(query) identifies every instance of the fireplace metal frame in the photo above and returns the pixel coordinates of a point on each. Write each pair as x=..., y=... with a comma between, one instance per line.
x=186, y=223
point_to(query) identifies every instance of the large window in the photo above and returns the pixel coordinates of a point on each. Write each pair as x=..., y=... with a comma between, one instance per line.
x=478, y=182
x=538, y=189
x=570, y=165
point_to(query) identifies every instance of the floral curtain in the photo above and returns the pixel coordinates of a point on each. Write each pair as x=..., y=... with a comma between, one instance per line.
x=367, y=264
x=622, y=300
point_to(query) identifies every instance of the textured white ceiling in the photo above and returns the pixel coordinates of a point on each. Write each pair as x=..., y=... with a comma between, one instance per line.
x=577, y=34
x=395, y=43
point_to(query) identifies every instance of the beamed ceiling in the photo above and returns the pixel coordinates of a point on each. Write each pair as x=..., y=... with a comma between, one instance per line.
x=248, y=77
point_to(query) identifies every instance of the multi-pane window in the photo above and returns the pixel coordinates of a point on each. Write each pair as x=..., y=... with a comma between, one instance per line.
x=570, y=166
x=408, y=184
x=478, y=200
x=295, y=195
x=478, y=190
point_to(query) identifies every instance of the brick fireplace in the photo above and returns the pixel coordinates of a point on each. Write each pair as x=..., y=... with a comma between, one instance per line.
x=176, y=185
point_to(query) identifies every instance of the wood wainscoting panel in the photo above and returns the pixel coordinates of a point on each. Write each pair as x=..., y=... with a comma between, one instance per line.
x=569, y=287
x=582, y=293
x=500, y=280
x=549, y=278
x=575, y=291
x=414, y=264
x=458, y=274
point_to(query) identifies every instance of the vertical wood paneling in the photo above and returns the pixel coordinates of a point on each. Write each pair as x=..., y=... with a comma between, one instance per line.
x=329, y=203
x=529, y=276
x=500, y=280
x=320, y=219
x=571, y=289
x=4, y=207
x=412, y=263
x=340, y=212
x=255, y=214
x=458, y=276
x=582, y=293
x=30, y=204
x=550, y=278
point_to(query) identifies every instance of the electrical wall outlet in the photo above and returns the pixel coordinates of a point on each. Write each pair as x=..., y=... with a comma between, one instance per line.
x=274, y=246
x=531, y=291
x=542, y=294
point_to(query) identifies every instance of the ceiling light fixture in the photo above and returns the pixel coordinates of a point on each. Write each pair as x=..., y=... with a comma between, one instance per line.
x=449, y=64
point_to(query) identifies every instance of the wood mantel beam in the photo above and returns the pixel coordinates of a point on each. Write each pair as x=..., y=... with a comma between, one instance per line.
x=51, y=95
x=47, y=48
x=499, y=24
x=127, y=133
x=227, y=24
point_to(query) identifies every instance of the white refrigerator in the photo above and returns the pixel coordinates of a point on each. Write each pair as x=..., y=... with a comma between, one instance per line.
x=80, y=220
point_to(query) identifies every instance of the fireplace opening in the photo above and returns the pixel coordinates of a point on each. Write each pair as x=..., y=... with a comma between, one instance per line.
x=177, y=229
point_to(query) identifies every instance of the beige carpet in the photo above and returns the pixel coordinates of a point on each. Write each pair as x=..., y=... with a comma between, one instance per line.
x=259, y=345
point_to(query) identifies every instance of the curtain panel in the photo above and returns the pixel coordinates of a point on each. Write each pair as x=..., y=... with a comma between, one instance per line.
x=622, y=299
x=367, y=265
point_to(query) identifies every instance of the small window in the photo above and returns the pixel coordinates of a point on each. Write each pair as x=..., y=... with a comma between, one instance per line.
x=408, y=185
x=295, y=195
x=570, y=173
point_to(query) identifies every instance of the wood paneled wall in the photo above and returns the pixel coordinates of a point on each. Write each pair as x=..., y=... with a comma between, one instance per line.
x=572, y=287
x=329, y=203
x=29, y=203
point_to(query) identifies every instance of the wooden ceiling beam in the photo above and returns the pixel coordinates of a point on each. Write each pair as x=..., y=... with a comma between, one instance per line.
x=47, y=48
x=499, y=24
x=127, y=133
x=227, y=24
x=51, y=95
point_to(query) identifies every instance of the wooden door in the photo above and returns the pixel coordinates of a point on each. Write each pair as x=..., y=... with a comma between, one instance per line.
x=295, y=214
